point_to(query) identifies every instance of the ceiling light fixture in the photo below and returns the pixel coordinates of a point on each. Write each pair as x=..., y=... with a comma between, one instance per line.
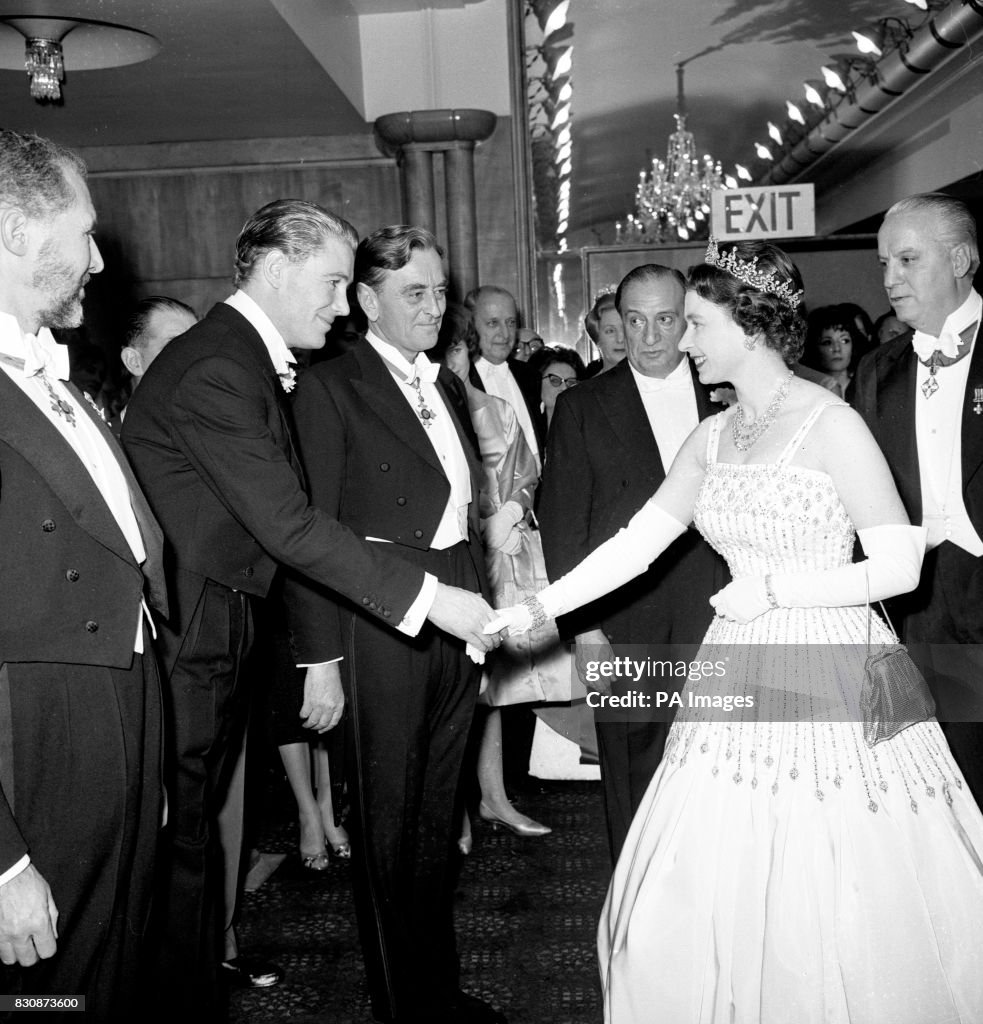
x=673, y=197
x=56, y=44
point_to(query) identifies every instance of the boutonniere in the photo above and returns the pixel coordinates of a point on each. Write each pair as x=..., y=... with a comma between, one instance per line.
x=723, y=396
x=978, y=401
x=288, y=379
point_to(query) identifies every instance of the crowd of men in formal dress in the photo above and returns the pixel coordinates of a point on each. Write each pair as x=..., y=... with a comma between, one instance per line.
x=130, y=574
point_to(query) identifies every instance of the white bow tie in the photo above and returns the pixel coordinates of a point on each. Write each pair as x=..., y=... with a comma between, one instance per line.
x=947, y=343
x=500, y=370
x=44, y=352
x=424, y=370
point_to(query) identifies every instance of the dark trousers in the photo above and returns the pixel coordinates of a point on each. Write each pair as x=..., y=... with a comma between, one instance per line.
x=84, y=747
x=943, y=623
x=410, y=705
x=206, y=708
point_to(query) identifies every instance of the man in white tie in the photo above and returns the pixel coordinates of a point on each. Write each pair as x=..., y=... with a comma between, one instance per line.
x=80, y=560
x=389, y=451
x=495, y=371
x=612, y=441
x=921, y=394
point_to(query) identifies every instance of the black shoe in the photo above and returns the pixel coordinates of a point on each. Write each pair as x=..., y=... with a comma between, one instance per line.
x=465, y=1009
x=251, y=972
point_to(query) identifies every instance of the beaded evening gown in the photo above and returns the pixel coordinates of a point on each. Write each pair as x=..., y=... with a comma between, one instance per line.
x=779, y=871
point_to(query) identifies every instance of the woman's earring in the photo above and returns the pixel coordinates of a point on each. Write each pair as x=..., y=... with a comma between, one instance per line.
x=749, y=343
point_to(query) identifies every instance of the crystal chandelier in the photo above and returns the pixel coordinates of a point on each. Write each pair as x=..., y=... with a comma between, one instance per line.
x=45, y=66
x=673, y=198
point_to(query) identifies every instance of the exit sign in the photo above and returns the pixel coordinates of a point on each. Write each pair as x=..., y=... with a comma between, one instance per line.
x=783, y=211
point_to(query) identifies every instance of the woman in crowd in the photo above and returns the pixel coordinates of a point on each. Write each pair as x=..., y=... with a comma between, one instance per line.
x=559, y=369
x=834, y=346
x=510, y=477
x=779, y=868
x=607, y=332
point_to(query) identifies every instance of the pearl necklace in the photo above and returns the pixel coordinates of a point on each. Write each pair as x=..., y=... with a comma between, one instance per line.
x=744, y=436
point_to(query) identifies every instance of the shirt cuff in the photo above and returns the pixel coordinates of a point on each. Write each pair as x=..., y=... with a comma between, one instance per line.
x=13, y=872
x=315, y=664
x=419, y=610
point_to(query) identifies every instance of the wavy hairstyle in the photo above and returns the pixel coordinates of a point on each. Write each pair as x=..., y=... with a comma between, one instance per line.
x=754, y=311
x=294, y=227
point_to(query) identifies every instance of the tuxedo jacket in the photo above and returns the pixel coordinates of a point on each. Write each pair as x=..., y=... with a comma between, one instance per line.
x=602, y=465
x=530, y=385
x=209, y=435
x=370, y=465
x=887, y=382
x=70, y=587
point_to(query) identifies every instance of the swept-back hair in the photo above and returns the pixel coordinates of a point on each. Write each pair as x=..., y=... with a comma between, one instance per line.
x=388, y=249
x=294, y=227
x=648, y=272
x=955, y=222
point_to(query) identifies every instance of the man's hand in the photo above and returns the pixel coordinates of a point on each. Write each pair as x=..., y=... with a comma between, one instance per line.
x=324, y=699
x=28, y=919
x=463, y=614
x=592, y=645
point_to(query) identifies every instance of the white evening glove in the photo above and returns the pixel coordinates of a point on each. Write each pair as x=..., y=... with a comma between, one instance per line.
x=893, y=566
x=626, y=555
x=496, y=529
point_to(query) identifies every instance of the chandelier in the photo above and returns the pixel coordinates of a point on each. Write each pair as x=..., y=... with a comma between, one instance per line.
x=673, y=198
x=52, y=43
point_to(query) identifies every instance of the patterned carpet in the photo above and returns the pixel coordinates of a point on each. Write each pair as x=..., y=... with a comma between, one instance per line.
x=526, y=912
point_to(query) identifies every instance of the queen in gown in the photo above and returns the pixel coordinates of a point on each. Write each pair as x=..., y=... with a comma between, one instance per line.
x=779, y=869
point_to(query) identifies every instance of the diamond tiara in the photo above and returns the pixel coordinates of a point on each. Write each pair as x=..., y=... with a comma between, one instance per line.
x=747, y=271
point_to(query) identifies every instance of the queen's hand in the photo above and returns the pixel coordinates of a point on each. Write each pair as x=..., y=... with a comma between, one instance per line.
x=742, y=600
x=518, y=618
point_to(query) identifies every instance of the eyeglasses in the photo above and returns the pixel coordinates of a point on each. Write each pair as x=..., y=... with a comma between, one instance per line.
x=560, y=382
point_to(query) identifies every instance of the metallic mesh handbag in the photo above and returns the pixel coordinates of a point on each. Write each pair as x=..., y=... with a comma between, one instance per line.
x=895, y=694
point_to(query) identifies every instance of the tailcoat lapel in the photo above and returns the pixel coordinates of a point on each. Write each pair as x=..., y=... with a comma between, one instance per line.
x=26, y=429
x=382, y=396
x=896, y=396
x=630, y=423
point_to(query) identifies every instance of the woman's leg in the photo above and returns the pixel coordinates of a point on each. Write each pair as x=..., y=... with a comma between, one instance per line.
x=336, y=835
x=296, y=759
x=495, y=804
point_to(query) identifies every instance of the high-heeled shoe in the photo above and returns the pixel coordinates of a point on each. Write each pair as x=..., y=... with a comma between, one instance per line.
x=340, y=850
x=528, y=828
x=316, y=862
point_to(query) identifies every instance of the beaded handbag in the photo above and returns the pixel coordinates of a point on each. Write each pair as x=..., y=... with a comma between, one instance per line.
x=895, y=694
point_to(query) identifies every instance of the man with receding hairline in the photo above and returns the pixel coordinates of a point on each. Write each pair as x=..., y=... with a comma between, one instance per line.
x=921, y=394
x=612, y=441
x=80, y=790
x=209, y=437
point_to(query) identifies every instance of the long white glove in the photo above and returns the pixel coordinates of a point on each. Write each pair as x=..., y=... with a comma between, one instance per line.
x=497, y=529
x=626, y=555
x=893, y=566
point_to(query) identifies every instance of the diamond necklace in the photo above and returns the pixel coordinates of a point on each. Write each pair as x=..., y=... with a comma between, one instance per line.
x=744, y=435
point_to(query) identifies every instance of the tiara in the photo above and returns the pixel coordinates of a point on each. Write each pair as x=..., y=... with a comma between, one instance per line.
x=747, y=271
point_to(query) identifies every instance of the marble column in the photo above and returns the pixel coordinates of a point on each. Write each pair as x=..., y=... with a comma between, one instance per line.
x=413, y=137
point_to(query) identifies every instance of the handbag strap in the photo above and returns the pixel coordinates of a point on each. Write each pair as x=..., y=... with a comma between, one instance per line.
x=870, y=611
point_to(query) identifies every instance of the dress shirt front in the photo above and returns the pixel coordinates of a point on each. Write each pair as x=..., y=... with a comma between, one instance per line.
x=938, y=432
x=670, y=405
x=499, y=381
